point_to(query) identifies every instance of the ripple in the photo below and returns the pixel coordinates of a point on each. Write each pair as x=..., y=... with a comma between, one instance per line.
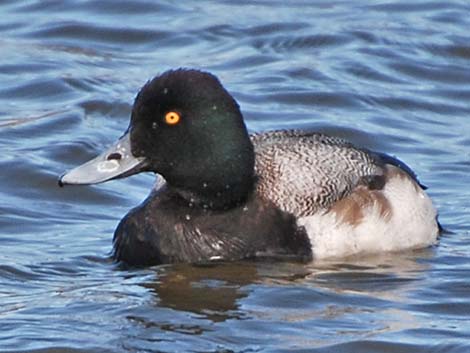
x=362, y=71
x=415, y=6
x=22, y=68
x=250, y=60
x=460, y=95
x=88, y=31
x=15, y=274
x=281, y=44
x=317, y=99
x=413, y=104
x=276, y=27
x=124, y=8
x=458, y=51
x=52, y=88
x=447, y=74
x=384, y=346
x=105, y=107
x=118, y=7
x=61, y=349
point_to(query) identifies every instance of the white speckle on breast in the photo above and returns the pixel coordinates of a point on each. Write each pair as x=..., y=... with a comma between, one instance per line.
x=217, y=245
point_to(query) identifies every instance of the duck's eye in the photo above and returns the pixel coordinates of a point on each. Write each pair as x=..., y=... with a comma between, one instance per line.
x=172, y=118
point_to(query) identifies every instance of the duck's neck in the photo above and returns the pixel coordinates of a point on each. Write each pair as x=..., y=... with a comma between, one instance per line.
x=221, y=182
x=216, y=198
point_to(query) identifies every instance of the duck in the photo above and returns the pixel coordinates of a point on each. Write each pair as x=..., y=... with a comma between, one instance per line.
x=228, y=195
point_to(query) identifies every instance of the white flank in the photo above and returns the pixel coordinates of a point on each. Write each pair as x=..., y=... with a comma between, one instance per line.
x=411, y=225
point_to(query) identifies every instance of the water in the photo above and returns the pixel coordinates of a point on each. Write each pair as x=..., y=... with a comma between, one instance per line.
x=393, y=76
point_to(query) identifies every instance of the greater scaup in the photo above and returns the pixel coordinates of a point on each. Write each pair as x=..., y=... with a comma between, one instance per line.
x=230, y=195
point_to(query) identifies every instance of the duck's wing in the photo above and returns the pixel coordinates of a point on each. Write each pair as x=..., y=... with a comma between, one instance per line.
x=304, y=172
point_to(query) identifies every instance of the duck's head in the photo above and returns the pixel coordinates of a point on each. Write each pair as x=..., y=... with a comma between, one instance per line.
x=186, y=127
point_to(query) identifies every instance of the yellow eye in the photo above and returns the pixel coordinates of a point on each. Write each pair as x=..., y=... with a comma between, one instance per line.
x=172, y=118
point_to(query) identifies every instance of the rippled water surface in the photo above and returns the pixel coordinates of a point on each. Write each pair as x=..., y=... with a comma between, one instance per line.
x=389, y=75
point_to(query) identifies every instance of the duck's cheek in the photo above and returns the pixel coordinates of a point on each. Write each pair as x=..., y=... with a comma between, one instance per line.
x=116, y=162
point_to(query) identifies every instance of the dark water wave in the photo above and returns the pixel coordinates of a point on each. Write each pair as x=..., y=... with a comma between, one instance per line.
x=388, y=75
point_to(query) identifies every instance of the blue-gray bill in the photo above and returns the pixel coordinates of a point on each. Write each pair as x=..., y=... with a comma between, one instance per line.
x=116, y=162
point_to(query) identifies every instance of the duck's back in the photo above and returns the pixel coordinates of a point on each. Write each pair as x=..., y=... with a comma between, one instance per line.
x=304, y=172
x=349, y=200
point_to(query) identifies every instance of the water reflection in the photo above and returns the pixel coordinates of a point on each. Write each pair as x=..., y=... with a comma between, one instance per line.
x=216, y=292
x=211, y=291
x=249, y=303
x=386, y=276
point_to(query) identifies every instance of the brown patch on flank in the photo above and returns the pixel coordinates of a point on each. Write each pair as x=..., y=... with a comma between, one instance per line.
x=351, y=208
x=369, y=193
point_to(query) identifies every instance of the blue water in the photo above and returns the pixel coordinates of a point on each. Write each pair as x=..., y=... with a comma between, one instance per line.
x=388, y=75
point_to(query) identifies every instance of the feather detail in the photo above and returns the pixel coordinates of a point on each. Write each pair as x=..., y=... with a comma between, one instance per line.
x=305, y=172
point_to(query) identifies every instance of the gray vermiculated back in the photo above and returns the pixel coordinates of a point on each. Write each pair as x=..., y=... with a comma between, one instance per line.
x=304, y=172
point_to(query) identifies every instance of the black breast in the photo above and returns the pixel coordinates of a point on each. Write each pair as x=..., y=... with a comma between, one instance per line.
x=165, y=229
